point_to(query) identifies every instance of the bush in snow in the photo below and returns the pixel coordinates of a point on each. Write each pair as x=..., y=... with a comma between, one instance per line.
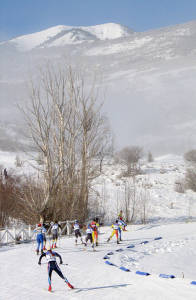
x=130, y=156
x=190, y=156
x=190, y=179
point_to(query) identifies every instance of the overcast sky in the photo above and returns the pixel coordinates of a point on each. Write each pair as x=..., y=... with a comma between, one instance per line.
x=18, y=17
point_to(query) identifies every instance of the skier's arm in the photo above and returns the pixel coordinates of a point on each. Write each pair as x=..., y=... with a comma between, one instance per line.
x=58, y=255
x=43, y=254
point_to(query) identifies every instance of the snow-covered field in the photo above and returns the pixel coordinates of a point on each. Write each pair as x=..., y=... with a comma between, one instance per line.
x=174, y=254
x=169, y=214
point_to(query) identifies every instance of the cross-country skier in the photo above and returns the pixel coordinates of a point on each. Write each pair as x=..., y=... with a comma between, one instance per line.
x=95, y=226
x=120, y=217
x=115, y=228
x=76, y=227
x=55, y=230
x=39, y=230
x=89, y=232
x=53, y=266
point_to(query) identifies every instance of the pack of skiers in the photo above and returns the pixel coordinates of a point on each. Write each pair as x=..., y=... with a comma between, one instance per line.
x=92, y=233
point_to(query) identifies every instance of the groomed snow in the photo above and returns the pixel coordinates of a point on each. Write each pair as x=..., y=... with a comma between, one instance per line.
x=22, y=278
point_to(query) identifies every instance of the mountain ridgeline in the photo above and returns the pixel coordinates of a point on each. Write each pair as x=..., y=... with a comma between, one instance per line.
x=149, y=78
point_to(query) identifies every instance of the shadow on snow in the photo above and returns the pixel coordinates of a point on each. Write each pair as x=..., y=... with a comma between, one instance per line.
x=78, y=290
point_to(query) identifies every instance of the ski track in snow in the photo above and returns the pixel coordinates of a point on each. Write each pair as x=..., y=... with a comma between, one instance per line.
x=23, y=279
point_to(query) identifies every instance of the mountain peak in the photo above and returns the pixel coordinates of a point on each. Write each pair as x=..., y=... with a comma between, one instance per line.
x=62, y=35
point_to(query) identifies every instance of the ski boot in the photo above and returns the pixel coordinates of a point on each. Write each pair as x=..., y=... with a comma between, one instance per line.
x=96, y=243
x=69, y=285
x=108, y=240
x=118, y=242
x=37, y=251
x=50, y=288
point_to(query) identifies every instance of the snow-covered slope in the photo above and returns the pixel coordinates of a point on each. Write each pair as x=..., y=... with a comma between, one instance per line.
x=22, y=278
x=172, y=254
x=157, y=189
x=59, y=36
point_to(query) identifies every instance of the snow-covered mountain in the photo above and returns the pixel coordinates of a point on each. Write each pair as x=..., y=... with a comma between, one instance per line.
x=149, y=78
x=59, y=36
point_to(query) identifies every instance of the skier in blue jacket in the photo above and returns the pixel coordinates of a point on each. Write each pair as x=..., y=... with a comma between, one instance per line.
x=53, y=266
x=40, y=230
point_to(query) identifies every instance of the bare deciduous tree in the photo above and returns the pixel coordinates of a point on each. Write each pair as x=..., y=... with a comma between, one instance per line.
x=68, y=132
x=131, y=156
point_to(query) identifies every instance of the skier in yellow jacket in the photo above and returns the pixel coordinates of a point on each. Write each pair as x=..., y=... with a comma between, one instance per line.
x=115, y=228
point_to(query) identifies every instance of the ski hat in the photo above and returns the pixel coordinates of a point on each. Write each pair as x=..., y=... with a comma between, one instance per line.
x=76, y=221
x=39, y=225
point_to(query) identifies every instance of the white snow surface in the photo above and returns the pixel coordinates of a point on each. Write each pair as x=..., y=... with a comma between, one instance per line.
x=22, y=278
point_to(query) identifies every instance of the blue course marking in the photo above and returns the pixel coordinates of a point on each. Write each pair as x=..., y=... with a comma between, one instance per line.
x=130, y=246
x=124, y=269
x=142, y=273
x=166, y=276
x=110, y=253
x=110, y=263
x=158, y=238
x=119, y=250
x=106, y=257
x=193, y=282
x=144, y=242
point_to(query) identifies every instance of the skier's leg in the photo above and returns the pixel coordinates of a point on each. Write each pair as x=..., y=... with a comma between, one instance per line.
x=116, y=232
x=96, y=237
x=76, y=237
x=38, y=244
x=58, y=271
x=79, y=233
x=42, y=243
x=55, y=244
x=44, y=238
x=119, y=231
x=93, y=239
x=53, y=239
x=49, y=277
x=113, y=232
x=93, y=236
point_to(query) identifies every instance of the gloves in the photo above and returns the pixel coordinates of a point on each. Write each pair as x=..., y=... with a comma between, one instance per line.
x=61, y=262
x=39, y=263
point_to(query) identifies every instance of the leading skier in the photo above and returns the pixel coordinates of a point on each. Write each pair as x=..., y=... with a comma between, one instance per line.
x=53, y=266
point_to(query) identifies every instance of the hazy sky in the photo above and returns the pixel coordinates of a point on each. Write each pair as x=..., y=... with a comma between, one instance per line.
x=19, y=17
